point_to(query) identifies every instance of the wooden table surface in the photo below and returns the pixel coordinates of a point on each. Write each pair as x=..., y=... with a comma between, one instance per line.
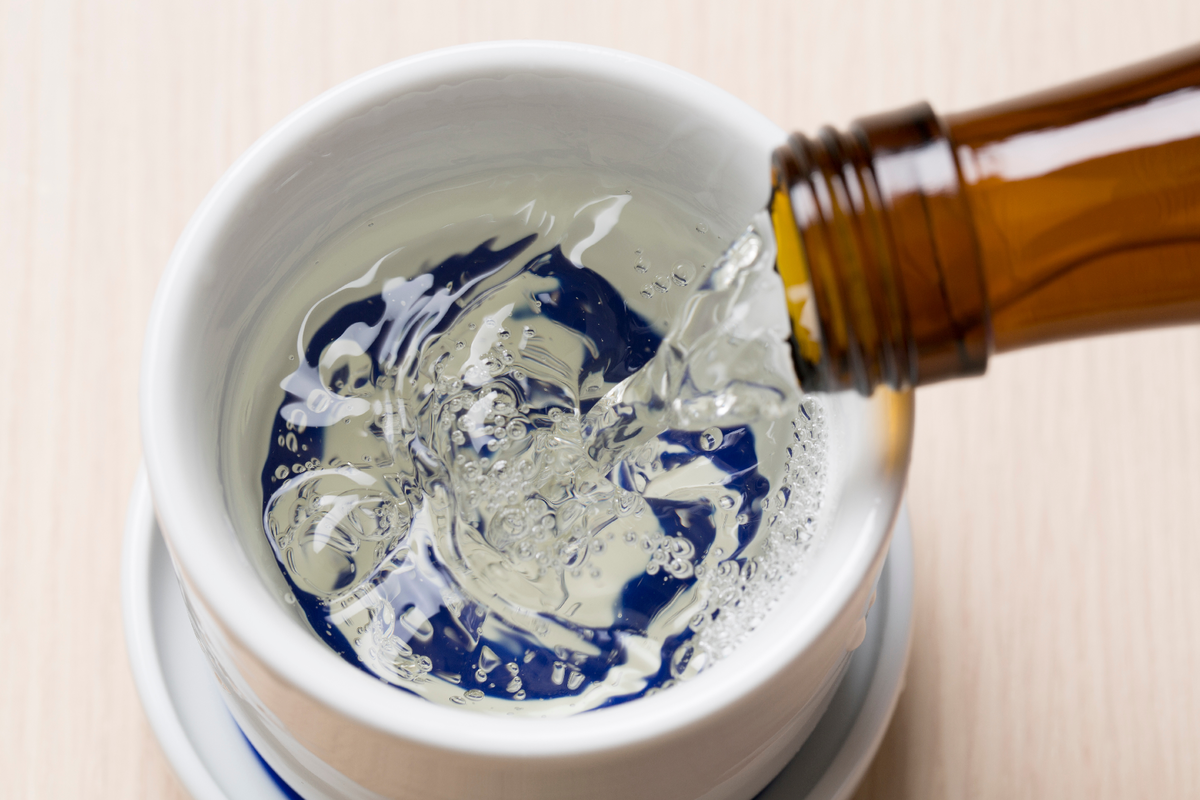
x=1055, y=502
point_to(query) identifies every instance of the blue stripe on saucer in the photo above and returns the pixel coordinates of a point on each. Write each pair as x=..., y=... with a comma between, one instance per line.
x=288, y=791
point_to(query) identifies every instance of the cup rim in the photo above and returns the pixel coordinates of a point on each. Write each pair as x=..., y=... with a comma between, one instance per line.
x=296, y=656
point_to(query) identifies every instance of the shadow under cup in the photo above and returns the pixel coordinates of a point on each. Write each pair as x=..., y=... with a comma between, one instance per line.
x=331, y=730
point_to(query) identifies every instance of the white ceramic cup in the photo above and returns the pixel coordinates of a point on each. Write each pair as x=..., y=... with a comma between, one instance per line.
x=333, y=731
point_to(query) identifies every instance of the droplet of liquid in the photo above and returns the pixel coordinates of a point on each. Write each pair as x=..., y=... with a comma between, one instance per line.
x=711, y=439
x=488, y=660
x=702, y=228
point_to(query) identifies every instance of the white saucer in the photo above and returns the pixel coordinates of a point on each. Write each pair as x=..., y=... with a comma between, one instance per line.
x=214, y=761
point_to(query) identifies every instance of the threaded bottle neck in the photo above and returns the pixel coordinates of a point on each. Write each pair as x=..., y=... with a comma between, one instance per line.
x=878, y=254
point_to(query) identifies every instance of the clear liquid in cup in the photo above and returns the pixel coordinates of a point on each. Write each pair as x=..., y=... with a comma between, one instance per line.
x=547, y=457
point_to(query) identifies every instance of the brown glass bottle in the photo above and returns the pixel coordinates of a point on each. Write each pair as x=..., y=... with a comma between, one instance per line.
x=913, y=246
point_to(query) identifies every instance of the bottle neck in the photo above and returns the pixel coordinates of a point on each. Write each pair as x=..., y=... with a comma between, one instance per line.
x=913, y=246
x=884, y=237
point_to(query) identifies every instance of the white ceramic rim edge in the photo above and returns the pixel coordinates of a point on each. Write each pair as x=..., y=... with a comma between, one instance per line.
x=357, y=696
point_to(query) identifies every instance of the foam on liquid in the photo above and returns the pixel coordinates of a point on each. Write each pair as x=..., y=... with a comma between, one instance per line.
x=496, y=481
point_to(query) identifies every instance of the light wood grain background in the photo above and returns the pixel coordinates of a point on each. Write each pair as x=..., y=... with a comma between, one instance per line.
x=1055, y=502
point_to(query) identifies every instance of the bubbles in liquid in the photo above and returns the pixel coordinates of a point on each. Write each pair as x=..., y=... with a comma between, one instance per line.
x=683, y=273
x=519, y=495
